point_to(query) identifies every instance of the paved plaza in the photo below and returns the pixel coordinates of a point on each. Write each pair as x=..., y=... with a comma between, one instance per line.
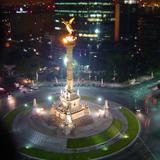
x=36, y=131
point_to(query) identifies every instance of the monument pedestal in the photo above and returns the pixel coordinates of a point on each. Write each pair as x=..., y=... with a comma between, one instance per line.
x=70, y=102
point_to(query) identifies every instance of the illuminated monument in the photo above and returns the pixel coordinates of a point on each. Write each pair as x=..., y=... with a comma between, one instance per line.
x=70, y=108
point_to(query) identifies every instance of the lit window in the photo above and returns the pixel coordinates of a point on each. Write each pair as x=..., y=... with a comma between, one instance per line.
x=57, y=28
x=56, y=20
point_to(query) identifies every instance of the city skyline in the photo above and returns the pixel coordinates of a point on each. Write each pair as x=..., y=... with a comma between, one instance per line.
x=80, y=79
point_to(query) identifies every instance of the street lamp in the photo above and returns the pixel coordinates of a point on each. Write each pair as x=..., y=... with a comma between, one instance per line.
x=65, y=60
x=28, y=146
x=49, y=98
x=97, y=31
x=99, y=99
x=26, y=105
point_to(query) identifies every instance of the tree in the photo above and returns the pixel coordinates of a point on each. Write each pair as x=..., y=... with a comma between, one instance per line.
x=29, y=65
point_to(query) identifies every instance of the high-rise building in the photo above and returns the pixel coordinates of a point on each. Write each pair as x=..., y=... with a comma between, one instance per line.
x=26, y=26
x=25, y=2
x=94, y=18
x=24, y=20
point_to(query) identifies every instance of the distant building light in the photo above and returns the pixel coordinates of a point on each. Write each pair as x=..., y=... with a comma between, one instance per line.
x=125, y=136
x=92, y=15
x=28, y=146
x=97, y=31
x=130, y=1
x=135, y=37
x=112, y=19
x=50, y=56
x=57, y=20
x=88, y=35
x=65, y=60
x=95, y=15
x=138, y=110
x=99, y=99
x=21, y=11
x=7, y=44
x=49, y=98
x=57, y=28
x=95, y=20
x=71, y=15
x=26, y=105
x=25, y=50
x=49, y=7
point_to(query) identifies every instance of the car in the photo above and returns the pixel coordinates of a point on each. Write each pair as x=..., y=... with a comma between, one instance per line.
x=25, y=89
x=138, y=110
x=33, y=88
x=2, y=91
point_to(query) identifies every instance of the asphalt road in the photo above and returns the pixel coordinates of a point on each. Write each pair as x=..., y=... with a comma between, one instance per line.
x=147, y=145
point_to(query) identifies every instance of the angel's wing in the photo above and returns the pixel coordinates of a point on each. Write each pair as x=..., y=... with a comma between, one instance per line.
x=71, y=20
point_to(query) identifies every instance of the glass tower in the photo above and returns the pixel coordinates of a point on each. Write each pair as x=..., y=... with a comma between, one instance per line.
x=94, y=18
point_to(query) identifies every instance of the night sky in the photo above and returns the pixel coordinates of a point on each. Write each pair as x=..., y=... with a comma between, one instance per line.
x=21, y=2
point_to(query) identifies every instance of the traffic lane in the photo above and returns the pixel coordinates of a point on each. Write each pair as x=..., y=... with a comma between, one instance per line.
x=116, y=95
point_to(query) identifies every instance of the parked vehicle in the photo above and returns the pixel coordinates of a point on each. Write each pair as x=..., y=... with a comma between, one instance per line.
x=2, y=91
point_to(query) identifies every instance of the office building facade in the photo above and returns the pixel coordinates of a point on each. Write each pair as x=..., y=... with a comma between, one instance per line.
x=93, y=19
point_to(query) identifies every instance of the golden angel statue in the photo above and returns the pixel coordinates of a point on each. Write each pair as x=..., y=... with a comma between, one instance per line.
x=68, y=25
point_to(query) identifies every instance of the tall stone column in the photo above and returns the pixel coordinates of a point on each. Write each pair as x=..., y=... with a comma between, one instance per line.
x=69, y=50
x=117, y=16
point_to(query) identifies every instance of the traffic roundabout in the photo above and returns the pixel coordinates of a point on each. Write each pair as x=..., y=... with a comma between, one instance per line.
x=97, y=136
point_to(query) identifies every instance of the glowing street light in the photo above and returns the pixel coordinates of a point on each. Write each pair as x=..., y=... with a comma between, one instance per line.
x=11, y=101
x=99, y=99
x=65, y=60
x=40, y=111
x=101, y=113
x=138, y=110
x=105, y=148
x=28, y=146
x=26, y=105
x=125, y=136
x=97, y=31
x=49, y=98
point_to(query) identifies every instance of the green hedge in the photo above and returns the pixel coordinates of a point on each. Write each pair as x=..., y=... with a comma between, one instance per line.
x=96, y=139
x=11, y=115
x=88, y=98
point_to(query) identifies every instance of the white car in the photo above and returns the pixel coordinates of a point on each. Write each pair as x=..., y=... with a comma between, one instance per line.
x=25, y=90
x=2, y=89
x=138, y=110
